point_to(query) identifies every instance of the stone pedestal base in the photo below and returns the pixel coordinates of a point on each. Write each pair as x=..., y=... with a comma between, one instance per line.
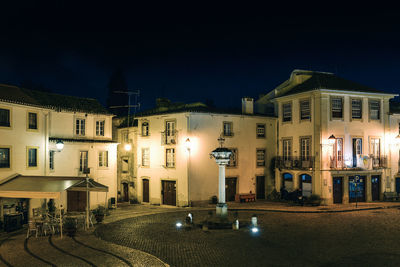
x=222, y=210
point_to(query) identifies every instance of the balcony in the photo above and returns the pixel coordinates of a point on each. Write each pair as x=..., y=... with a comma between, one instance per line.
x=364, y=162
x=294, y=163
x=171, y=139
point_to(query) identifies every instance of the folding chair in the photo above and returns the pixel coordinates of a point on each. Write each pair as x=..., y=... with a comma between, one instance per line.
x=31, y=228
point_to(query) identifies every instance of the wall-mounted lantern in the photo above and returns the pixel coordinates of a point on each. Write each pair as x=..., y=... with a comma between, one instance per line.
x=59, y=145
x=332, y=139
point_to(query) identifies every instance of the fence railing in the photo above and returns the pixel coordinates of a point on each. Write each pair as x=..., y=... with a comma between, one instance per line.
x=294, y=163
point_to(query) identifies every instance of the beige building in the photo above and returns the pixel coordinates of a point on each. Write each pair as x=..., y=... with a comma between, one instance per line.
x=334, y=137
x=170, y=161
x=31, y=123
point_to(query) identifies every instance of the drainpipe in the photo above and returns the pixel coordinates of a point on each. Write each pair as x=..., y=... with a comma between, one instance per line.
x=46, y=141
x=188, y=165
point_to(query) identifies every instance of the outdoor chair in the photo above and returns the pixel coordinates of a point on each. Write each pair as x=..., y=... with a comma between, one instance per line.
x=32, y=227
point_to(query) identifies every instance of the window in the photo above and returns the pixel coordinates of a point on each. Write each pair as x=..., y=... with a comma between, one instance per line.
x=83, y=161
x=125, y=165
x=357, y=151
x=32, y=121
x=145, y=129
x=80, y=127
x=375, y=147
x=260, y=157
x=170, y=132
x=234, y=158
x=305, y=113
x=170, y=158
x=125, y=137
x=228, y=128
x=305, y=146
x=374, y=110
x=336, y=108
x=287, y=112
x=4, y=117
x=32, y=157
x=51, y=159
x=260, y=130
x=103, y=158
x=287, y=149
x=145, y=157
x=100, y=128
x=356, y=109
x=338, y=157
x=5, y=161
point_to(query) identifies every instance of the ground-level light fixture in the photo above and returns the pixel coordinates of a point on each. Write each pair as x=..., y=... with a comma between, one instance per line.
x=254, y=230
x=178, y=225
x=127, y=147
x=332, y=139
x=59, y=145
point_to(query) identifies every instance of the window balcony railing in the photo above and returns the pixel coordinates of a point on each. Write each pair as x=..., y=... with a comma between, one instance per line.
x=171, y=139
x=294, y=163
x=362, y=162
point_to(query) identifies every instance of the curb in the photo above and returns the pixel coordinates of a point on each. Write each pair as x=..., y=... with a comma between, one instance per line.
x=314, y=211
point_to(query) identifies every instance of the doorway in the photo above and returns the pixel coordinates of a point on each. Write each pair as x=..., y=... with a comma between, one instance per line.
x=306, y=185
x=356, y=190
x=230, y=189
x=76, y=201
x=398, y=184
x=146, y=191
x=337, y=190
x=126, y=192
x=375, y=188
x=169, y=193
x=260, y=188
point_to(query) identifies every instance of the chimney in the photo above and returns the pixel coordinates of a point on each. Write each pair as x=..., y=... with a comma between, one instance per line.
x=247, y=105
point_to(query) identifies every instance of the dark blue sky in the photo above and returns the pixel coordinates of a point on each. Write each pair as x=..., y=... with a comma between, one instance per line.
x=194, y=52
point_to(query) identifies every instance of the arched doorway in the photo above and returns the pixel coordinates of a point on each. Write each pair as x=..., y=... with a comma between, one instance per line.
x=306, y=184
x=287, y=181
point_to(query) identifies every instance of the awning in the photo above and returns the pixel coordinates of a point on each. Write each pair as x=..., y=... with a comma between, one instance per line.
x=91, y=185
x=19, y=186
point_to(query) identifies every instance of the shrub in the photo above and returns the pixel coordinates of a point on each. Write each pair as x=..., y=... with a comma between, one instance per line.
x=274, y=196
x=313, y=200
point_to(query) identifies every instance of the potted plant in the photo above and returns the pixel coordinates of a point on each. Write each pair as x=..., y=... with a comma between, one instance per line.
x=99, y=213
x=70, y=226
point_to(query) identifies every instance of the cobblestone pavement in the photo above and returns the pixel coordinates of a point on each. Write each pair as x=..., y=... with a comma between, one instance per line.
x=363, y=238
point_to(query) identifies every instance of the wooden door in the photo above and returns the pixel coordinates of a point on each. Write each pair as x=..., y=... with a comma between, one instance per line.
x=230, y=189
x=169, y=192
x=356, y=191
x=375, y=180
x=146, y=191
x=398, y=184
x=126, y=192
x=76, y=201
x=337, y=189
x=260, y=187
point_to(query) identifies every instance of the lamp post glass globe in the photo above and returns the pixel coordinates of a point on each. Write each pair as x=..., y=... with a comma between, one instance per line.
x=332, y=139
x=60, y=145
x=127, y=147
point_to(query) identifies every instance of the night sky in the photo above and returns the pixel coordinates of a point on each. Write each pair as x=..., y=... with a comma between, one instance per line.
x=193, y=51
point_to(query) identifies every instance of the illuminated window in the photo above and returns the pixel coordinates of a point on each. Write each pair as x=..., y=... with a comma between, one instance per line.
x=5, y=161
x=336, y=107
x=305, y=113
x=4, y=117
x=32, y=121
x=287, y=149
x=83, y=161
x=260, y=157
x=170, y=157
x=260, y=130
x=287, y=112
x=234, y=158
x=100, y=128
x=80, y=126
x=103, y=158
x=145, y=157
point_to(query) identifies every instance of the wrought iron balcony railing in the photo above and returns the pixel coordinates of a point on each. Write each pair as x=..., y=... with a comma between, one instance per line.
x=294, y=163
x=169, y=139
x=362, y=162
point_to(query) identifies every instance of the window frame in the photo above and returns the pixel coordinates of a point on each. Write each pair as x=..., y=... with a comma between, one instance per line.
x=301, y=109
x=370, y=109
x=100, y=131
x=9, y=118
x=224, y=133
x=147, y=159
x=82, y=161
x=28, y=159
x=288, y=120
x=287, y=156
x=102, y=159
x=78, y=129
x=28, y=121
x=9, y=158
x=234, y=159
x=123, y=164
x=51, y=160
x=167, y=162
x=262, y=161
x=352, y=108
x=303, y=155
x=342, y=107
x=145, y=126
x=263, y=125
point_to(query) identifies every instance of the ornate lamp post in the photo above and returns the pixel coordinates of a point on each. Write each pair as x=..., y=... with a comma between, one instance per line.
x=221, y=156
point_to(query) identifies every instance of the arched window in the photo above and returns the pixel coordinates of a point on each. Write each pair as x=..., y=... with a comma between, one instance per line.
x=306, y=184
x=145, y=129
x=287, y=181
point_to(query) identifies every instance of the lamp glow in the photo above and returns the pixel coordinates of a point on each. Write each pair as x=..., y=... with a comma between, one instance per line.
x=332, y=139
x=188, y=144
x=178, y=225
x=60, y=145
x=127, y=147
x=254, y=230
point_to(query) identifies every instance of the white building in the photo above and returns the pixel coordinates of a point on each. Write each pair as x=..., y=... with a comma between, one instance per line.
x=171, y=153
x=332, y=132
x=31, y=122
